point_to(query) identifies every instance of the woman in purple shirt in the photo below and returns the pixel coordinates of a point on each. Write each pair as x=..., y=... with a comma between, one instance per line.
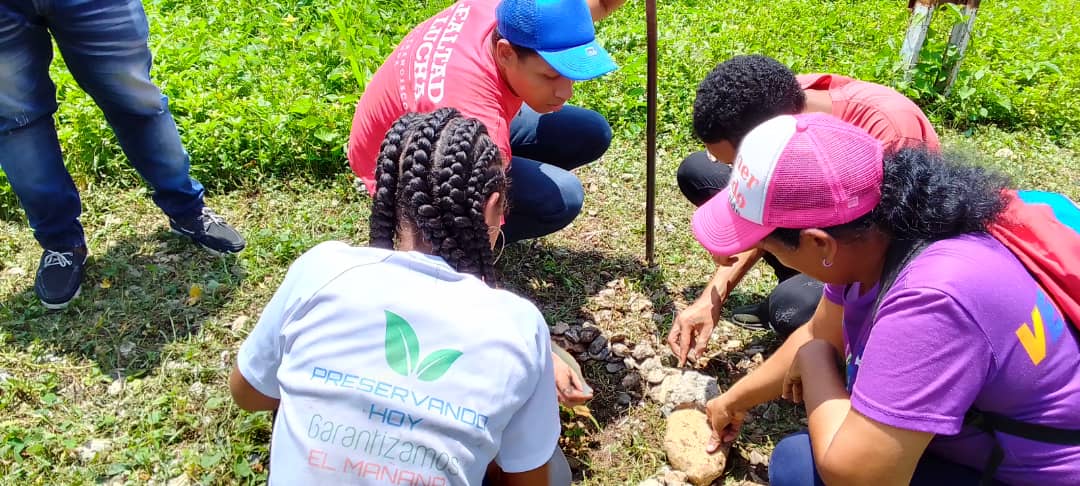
x=888, y=379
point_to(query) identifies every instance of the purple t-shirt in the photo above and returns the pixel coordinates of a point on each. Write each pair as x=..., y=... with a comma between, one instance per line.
x=963, y=326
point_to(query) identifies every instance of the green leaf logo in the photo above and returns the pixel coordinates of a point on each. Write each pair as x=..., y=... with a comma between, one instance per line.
x=402, y=347
x=436, y=364
x=403, y=352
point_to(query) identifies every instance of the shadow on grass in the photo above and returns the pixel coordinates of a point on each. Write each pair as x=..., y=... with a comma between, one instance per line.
x=136, y=297
x=565, y=284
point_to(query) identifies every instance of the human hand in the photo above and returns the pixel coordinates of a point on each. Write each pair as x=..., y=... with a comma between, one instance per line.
x=690, y=332
x=725, y=420
x=571, y=389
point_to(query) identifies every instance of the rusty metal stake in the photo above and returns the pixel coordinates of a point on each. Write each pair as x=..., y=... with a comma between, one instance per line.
x=650, y=134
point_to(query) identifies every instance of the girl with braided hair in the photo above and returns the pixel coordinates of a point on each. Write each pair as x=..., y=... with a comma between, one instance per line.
x=399, y=362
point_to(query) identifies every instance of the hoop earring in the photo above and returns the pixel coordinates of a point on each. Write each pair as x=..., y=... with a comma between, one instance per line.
x=825, y=263
x=502, y=238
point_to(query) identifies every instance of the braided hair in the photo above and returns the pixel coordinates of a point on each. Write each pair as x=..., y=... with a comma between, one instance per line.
x=435, y=173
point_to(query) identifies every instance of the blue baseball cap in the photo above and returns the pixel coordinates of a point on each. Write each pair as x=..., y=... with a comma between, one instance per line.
x=560, y=31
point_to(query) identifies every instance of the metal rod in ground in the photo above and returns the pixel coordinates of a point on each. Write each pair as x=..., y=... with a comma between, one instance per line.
x=650, y=135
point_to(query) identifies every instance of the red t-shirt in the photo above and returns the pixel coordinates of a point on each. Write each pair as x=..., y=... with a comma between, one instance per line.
x=444, y=62
x=880, y=110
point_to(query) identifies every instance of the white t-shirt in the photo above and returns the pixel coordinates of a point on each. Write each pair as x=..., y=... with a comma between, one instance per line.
x=392, y=368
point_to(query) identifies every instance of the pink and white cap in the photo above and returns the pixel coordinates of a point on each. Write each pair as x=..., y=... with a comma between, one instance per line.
x=801, y=171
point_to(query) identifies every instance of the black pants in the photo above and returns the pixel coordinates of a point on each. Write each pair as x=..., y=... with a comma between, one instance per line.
x=794, y=300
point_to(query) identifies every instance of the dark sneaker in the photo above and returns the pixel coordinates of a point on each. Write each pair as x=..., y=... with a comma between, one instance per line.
x=209, y=231
x=749, y=317
x=59, y=276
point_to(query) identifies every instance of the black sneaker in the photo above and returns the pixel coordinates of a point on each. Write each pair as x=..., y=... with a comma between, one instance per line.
x=209, y=231
x=59, y=276
x=749, y=317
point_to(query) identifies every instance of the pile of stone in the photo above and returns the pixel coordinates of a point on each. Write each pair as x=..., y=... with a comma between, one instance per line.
x=587, y=343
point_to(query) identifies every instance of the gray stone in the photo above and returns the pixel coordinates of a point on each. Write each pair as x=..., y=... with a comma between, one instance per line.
x=621, y=350
x=656, y=375
x=650, y=364
x=623, y=399
x=614, y=367
x=91, y=448
x=643, y=351
x=573, y=334
x=684, y=443
x=651, y=482
x=603, y=355
x=560, y=328
x=589, y=334
x=631, y=381
x=688, y=387
x=600, y=342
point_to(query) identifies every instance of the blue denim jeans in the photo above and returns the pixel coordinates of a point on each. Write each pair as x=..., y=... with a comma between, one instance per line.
x=544, y=195
x=104, y=44
x=792, y=464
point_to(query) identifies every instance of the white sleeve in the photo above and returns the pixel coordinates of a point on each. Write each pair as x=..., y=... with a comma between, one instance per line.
x=260, y=354
x=533, y=432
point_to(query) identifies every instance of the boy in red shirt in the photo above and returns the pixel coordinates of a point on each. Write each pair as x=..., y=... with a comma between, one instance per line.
x=735, y=97
x=487, y=59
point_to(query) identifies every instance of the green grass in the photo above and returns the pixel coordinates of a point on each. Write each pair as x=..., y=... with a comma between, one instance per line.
x=264, y=93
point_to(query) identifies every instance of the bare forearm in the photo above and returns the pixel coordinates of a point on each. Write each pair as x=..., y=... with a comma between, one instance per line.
x=766, y=383
x=826, y=399
x=728, y=276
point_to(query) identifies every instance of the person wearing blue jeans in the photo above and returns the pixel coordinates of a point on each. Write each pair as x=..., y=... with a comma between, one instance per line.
x=792, y=464
x=104, y=44
x=544, y=195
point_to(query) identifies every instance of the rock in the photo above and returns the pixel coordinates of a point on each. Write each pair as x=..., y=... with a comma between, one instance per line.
x=583, y=357
x=621, y=350
x=650, y=481
x=598, y=343
x=560, y=328
x=15, y=271
x=614, y=367
x=577, y=348
x=631, y=381
x=688, y=387
x=639, y=304
x=623, y=399
x=657, y=375
x=590, y=334
x=239, y=322
x=1004, y=153
x=606, y=294
x=643, y=351
x=615, y=359
x=572, y=334
x=116, y=386
x=758, y=459
x=684, y=443
x=649, y=364
x=196, y=389
x=126, y=348
x=673, y=478
x=91, y=448
x=603, y=355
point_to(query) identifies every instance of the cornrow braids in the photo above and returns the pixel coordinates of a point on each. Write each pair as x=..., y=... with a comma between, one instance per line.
x=384, y=222
x=447, y=168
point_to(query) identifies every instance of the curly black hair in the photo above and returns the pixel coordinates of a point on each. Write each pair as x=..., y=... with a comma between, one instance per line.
x=925, y=196
x=435, y=173
x=741, y=93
